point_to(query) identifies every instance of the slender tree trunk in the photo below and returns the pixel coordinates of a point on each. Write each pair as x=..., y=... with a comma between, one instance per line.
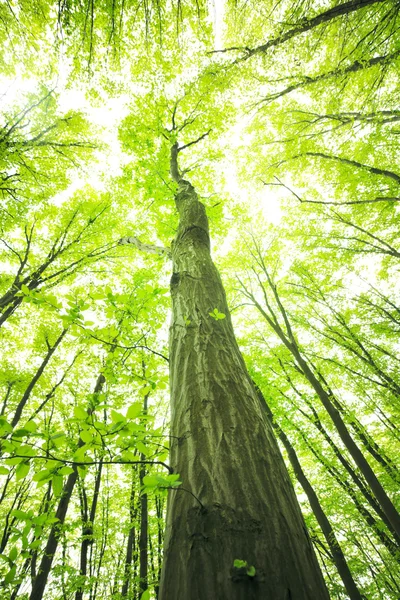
x=359, y=458
x=160, y=540
x=237, y=500
x=87, y=533
x=144, y=517
x=289, y=340
x=131, y=539
x=359, y=481
x=375, y=525
x=36, y=377
x=39, y=584
x=370, y=445
x=323, y=521
x=143, y=546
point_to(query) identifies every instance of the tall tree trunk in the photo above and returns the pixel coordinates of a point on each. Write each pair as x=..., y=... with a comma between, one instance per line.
x=359, y=481
x=358, y=457
x=159, y=502
x=236, y=501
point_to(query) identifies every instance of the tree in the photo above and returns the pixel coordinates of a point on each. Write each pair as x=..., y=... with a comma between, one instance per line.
x=222, y=448
x=287, y=142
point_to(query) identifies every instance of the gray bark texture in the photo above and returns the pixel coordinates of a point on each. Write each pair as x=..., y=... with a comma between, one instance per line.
x=236, y=500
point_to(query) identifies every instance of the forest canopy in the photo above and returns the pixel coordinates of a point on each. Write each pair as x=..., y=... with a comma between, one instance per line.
x=134, y=136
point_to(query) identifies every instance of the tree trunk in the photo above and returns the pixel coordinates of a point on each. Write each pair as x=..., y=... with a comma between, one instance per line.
x=144, y=516
x=87, y=533
x=127, y=578
x=323, y=521
x=289, y=340
x=358, y=457
x=375, y=525
x=39, y=584
x=36, y=377
x=236, y=501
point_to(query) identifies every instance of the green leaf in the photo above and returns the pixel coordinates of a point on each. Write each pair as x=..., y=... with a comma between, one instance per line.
x=82, y=471
x=86, y=436
x=117, y=417
x=143, y=449
x=22, y=470
x=65, y=471
x=42, y=475
x=4, y=470
x=134, y=410
x=5, y=558
x=217, y=315
x=145, y=595
x=10, y=575
x=239, y=564
x=145, y=390
x=5, y=426
x=80, y=413
x=251, y=571
x=26, y=451
x=19, y=514
x=13, y=554
x=13, y=461
x=151, y=480
x=57, y=482
x=30, y=426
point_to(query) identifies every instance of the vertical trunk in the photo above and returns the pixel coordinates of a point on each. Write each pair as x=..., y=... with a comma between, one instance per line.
x=39, y=584
x=36, y=377
x=87, y=533
x=160, y=540
x=358, y=457
x=375, y=525
x=327, y=400
x=236, y=501
x=143, y=549
x=370, y=445
x=323, y=521
x=40, y=580
x=360, y=483
x=131, y=539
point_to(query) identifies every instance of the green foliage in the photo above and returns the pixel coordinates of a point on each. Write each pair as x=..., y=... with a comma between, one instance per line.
x=299, y=175
x=242, y=564
x=215, y=314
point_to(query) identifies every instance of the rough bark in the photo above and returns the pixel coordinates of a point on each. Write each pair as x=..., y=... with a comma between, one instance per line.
x=236, y=500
